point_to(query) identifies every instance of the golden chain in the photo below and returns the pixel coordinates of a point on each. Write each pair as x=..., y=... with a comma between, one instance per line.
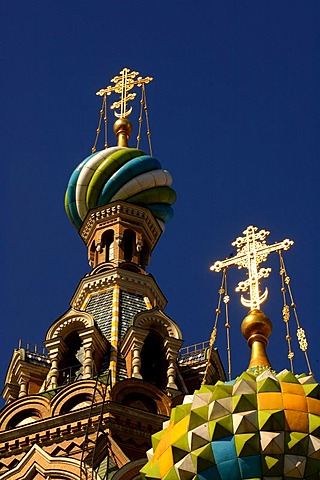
x=103, y=111
x=226, y=300
x=145, y=107
x=286, y=315
x=303, y=344
x=140, y=120
x=213, y=336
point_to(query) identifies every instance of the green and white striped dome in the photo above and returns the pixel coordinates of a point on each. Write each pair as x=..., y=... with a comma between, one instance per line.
x=119, y=173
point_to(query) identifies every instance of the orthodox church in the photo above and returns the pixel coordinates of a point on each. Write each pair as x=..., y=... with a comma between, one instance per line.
x=114, y=380
x=113, y=366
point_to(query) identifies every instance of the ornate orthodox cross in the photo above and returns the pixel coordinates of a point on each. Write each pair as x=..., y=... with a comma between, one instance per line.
x=251, y=251
x=123, y=84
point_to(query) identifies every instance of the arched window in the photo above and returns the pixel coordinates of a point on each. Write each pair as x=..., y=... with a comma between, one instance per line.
x=108, y=243
x=70, y=367
x=129, y=238
x=153, y=361
x=29, y=415
x=140, y=401
x=76, y=402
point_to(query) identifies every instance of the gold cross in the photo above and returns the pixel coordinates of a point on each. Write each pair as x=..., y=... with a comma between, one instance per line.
x=123, y=84
x=251, y=251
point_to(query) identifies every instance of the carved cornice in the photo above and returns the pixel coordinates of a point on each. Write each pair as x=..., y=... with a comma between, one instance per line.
x=104, y=217
x=134, y=282
x=117, y=418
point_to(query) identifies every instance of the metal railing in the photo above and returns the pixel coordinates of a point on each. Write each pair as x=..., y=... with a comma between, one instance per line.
x=33, y=348
x=192, y=349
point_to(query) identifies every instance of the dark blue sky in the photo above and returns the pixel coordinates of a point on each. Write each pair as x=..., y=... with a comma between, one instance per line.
x=235, y=117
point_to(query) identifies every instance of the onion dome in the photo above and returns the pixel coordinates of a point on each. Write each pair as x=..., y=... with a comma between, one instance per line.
x=260, y=425
x=119, y=173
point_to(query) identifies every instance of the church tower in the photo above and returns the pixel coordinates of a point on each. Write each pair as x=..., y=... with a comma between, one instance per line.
x=113, y=366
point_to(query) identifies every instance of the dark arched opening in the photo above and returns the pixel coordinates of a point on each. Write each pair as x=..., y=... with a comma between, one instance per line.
x=28, y=415
x=129, y=238
x=140, y=401
x=153, y=361
x=83, y=400
x=108, y=243
x=70, y=367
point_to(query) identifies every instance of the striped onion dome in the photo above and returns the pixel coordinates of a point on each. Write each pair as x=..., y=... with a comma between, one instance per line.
x=119, y=173
x=262, y=425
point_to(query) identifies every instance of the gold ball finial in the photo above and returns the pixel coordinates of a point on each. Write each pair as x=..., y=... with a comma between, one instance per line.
x=256, y=329
x=122, y=129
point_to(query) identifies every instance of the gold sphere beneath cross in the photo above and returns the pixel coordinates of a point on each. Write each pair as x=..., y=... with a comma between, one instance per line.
x=256, y=329
x=123, y=129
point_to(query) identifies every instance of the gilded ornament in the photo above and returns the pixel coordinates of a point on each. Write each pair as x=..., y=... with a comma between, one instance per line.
x=252, y=250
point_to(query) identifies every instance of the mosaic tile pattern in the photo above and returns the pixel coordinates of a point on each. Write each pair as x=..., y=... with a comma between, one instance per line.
x=264, y=426
x=100, y=307
x=130, y=305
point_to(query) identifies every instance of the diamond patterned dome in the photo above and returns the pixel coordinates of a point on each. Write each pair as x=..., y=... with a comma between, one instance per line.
x=259, y=426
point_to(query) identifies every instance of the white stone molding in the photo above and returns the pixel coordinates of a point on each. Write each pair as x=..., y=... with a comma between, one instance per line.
x=37, y=460
x=70, y=321
x=159, y=321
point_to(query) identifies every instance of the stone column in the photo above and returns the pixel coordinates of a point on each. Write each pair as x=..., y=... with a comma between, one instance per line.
x=172, y=346
x=56, y=349
x=136, y=359
x=88, y=360
x=53, y=374
x=171, y=371
x=23, y=383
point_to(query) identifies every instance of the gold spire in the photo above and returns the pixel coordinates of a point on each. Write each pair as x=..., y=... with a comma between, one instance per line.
x=123, y=84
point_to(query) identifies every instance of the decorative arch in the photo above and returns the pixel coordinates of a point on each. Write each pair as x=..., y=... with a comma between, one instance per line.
x=34, y=406
x=75, y=396
x=150, y=348
x=137, y=389
x=39, y=464
x=102, y=267
x=70, y=321
x=130, y=471
x=76, y=349
x=157, y=320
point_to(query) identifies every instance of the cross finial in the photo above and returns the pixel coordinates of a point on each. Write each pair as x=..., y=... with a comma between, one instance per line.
x=252, y=250
x=123, y=84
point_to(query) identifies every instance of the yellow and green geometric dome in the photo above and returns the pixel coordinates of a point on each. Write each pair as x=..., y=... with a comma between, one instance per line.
x=119, y=173
x=261, y=425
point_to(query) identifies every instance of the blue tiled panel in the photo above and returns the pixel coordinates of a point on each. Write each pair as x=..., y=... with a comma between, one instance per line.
x=130, y=305
x=100, y=307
